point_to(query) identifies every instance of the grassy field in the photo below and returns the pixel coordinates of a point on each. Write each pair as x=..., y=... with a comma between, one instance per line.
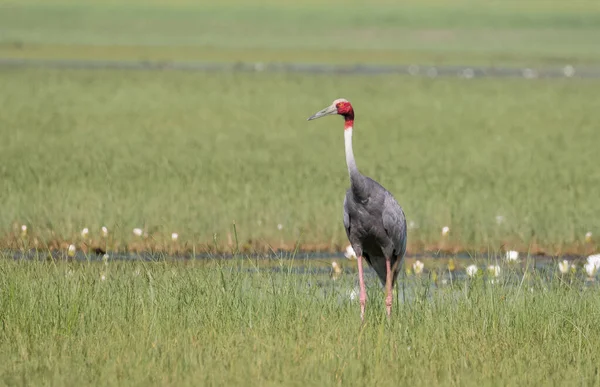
x=228, y=162
x=467, y=32
x=193, y=152
x=189, y=323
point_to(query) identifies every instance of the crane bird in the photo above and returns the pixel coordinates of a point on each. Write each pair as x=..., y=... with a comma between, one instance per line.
x=374, y=221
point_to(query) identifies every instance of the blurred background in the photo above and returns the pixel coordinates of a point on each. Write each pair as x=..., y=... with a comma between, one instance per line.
x=479, y=116
x=465, y=32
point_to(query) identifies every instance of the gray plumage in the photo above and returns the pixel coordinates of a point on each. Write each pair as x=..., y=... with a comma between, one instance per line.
x=375, y=224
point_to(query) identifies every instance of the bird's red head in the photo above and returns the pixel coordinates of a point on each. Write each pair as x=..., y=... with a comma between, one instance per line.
x=344, y=108
x=339, y=106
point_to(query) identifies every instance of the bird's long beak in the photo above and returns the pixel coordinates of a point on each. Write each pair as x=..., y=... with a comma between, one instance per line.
x=325, y=112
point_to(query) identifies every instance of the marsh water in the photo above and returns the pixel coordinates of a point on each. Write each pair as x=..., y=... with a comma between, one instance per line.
x=443, y=268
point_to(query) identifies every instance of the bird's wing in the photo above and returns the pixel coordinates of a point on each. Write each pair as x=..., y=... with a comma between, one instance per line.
x=394, y=223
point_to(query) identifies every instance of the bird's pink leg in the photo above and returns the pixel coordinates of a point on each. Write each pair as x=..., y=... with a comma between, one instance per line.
x=388, y=286
x=363, y=292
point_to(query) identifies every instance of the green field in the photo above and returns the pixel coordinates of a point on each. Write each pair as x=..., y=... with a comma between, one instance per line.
x=194, y=152
x=176, y=324
x=228, y=161
x=466, y=32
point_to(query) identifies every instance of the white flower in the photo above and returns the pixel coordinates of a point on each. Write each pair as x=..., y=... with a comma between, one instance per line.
x=494, y=270
x=588, y=236
x=563, y=266
x=105, y=258
x=104, y=231
x=590, y=269
x=85, y=232
x=499, y=219
x=468, y=73
x=569, y=71
x=349, y=253
x=594, y=260
x=23, y=230
x=71, y=250
x=412, y=225
x=445, y=230
x=529, y=73
x=353, y=294
x=103, y=277
x=512, y=255
x=418, y=267
x=280, y=226
x=137, y=231
x=174, y=236
x=471, y=270
x=336, y=268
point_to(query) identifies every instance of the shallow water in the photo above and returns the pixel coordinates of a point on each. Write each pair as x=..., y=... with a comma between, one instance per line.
x=466, y=72
x=319, y=272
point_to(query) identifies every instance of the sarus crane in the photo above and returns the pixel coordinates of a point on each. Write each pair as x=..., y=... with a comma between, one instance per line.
x=374, y=221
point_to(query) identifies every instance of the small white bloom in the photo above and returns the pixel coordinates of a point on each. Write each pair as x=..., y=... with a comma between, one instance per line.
x=71, y=250
x=472, y=270
x=105, y=258
x=336, y=268
x=23, y=230
x=280, y=226
x=354, y=294
x=445, y=230
x=137, y=231
x=412, y=225
x=137, y=272
x=590, y=269
x=468, y=73
x=418, y=267
x=103, y=277
x=174, y=236
x=563, y=266
x=85, y=232
x=499, y=219
x=349, y=253
x=588, y=236
x=104, y=231
x=529, y=73
x=569, y=71
x=594, y=260
x=494, y=270
x=512, y=255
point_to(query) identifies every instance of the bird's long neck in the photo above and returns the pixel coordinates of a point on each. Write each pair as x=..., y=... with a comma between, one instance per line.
x=357, y=180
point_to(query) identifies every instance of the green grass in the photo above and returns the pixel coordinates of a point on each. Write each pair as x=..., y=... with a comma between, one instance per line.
x=192, y=323
x=194, y=152
x=461, y=32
